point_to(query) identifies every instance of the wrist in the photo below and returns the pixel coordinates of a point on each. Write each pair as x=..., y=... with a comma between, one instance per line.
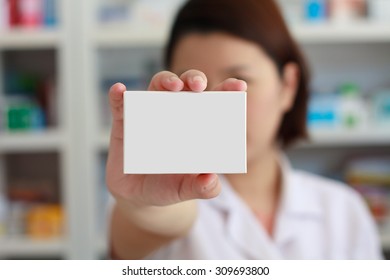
x=171, y=220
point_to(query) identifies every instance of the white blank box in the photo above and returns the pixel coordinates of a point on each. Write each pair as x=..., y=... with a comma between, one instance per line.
x=184, y=132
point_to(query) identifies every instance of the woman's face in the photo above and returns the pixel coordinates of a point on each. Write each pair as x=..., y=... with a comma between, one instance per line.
x=269, y=96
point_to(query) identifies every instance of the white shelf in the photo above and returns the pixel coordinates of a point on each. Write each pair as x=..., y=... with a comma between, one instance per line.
x=14, y=247
x=115, y=36
x=31, y=141
x=374, y=137
x=103, y=140
x=385, y=241
x=29, y=38
x=102, y=247
x=77, y=42
x=359, y=32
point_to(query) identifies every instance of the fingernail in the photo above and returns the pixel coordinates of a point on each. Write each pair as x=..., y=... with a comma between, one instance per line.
x=174, y=79
x=198, y=79
x=211, y=185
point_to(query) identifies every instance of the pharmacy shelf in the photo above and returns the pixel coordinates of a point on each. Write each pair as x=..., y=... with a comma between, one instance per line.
x=103, y=140
x=102, y=247
x=117, y=36
x=375, y=137
x=39, y=141
x=21, y=38
x=22, y=247
x=357, y=32
x=385, y=240
x=372, y=137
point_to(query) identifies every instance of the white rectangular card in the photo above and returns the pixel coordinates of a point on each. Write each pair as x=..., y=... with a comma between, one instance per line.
x=184, y=132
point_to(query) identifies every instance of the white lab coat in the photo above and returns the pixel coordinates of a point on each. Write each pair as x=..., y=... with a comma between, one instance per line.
x=317, y=219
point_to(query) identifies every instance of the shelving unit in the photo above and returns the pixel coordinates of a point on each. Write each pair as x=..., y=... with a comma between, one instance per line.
x=21, y=40
x=127, y=36
x=27, y=248
x=372, y=137
x=18, y=39
x=338, y=52
x=80, y=139
x=359, y=32
x=365, y=40
x=51, y=140
x=60, y=139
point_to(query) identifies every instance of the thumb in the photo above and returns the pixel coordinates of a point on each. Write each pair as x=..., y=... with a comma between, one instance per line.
x=202, y=186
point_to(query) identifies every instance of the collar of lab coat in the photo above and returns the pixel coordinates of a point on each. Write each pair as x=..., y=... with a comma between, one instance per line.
x=296, y=205
x=295, y=197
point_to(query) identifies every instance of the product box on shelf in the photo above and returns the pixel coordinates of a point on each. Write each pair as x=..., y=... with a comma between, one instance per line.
x=145, y=13
x=28, y=102
x=4, y=14
x=33, y=206
x=347, y=10
x=315, y=10
x=44, y=221
x=114, y=12
x=371, y=177
x=33, y=220
x=25, y=116
x=347, y=109
x=50, y=13
x=340, y=11
x=323, y=111
x=28, y=13
x=353, y=109
x=381, y=108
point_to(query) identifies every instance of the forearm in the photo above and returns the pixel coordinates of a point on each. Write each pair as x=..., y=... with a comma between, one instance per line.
x=137, y=232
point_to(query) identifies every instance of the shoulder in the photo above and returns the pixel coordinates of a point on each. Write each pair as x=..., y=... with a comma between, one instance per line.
x=325, y=188
x=339, y=205
x=345, y=217
x=332, y=197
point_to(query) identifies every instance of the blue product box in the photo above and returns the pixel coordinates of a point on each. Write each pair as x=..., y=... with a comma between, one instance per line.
x=315, y=10
x=381, y=107
x=323, y=111
x=50, y=13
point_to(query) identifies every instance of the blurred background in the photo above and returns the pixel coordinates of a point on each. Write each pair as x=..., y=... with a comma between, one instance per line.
x=58, y=58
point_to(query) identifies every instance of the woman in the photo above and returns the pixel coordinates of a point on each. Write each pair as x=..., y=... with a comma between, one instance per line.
x=273, y=211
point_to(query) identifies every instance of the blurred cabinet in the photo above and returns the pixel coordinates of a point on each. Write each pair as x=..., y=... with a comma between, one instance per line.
x=122, y=49
x=40, y=194
x=355, y=54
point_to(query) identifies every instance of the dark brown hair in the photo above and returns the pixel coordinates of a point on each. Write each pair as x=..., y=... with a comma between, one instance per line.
x=258, y=21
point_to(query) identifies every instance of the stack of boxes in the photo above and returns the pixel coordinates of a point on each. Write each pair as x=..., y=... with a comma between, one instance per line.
x=28, y=13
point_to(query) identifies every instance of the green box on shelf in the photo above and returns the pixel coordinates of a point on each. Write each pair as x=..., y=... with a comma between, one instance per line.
x=25, y=117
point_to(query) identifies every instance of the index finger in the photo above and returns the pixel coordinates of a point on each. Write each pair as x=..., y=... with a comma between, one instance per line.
x=166, y=80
